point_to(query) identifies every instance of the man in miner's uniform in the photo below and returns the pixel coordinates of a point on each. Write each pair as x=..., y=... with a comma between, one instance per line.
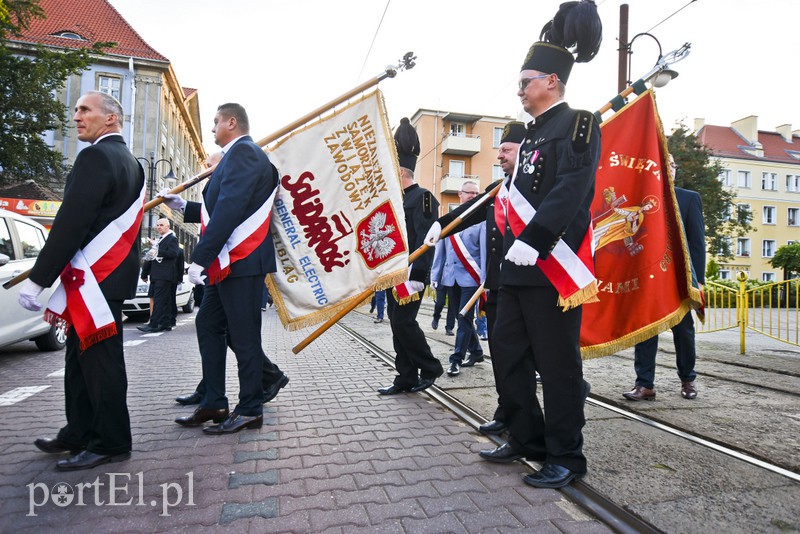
x=416, y=365
x=548, y=224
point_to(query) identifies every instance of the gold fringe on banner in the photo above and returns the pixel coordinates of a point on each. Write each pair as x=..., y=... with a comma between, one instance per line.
x=643, y=334
x=384, y=282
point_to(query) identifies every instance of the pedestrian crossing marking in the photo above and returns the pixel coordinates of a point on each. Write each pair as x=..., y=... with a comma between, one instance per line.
x=19, y=394
x=134, y=342
x=57, y=374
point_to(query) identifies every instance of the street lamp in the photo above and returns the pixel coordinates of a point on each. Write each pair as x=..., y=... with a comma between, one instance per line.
x=664, y=75
x=151, y=164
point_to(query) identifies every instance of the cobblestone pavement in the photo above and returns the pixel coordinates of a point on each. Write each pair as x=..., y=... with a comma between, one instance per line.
x=333, y=456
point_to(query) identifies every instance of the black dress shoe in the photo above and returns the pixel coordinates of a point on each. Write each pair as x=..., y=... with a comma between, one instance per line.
x=503, y=454
x=472, y=360
x=88, y=460
x=493, y=427
x=422, y=385
x=393, y=390
x=186, y=400
x=56, y=446
x=234, y=423
x=272, y=391
x=551, y=476
x=201, y=415
x=147, y=329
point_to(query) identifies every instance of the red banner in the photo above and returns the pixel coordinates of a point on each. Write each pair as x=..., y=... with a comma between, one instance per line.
x=642, y=264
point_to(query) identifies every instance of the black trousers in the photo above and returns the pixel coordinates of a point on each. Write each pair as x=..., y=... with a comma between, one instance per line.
x=163, y=303
x=532, y=333
x=413, y=357
x=490, y=308
x=231, y=312
x=95, y=391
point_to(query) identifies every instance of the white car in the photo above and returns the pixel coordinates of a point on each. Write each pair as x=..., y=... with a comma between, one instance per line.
x=21, y=240
x=139, y=306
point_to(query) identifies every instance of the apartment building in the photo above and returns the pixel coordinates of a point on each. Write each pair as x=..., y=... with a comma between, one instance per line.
x=456, y=147
x=763, y=169
x=162, y=120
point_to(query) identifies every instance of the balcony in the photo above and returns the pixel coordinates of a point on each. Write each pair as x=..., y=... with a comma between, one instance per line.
x=452, y=184
x=461, y=145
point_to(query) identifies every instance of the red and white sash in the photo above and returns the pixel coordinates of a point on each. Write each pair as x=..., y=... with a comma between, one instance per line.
x=79, y=300
x=572, y=274
x=469, y=263
x=245, y=239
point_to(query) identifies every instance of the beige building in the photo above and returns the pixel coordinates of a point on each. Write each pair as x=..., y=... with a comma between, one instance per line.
x=763, y=169
x=454, y=148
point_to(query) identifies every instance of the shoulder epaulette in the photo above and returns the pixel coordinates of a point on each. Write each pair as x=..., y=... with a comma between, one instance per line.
x=582, y=132
x=427, y=204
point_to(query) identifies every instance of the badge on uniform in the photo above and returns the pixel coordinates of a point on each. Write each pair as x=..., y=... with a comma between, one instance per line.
x=530, y=164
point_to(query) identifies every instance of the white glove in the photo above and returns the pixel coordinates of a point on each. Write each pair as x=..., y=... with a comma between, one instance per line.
x=433, y=234
x=434, y=285
x=172, y=200
x=415, y=286
x=522, y=254
x=196, y=275
x=27, y=296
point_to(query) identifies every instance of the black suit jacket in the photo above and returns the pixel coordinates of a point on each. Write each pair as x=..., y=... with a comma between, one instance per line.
x=690, y=204
x=165, y=269
x=105, y=180
x=243, y=180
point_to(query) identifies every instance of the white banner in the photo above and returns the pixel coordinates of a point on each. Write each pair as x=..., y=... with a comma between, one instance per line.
x=338, y=221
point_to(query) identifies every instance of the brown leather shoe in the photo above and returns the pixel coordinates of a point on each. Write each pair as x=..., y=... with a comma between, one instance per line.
x=640, y=393
x=688, y=390
x=201, y=415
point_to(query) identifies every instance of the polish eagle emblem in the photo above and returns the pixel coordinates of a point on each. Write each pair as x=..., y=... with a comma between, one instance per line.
x=375, y=240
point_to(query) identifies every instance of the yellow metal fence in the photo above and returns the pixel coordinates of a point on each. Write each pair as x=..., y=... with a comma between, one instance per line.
x=772, y=310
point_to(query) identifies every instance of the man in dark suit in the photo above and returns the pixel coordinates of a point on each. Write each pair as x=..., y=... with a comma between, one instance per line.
x=93, y=245
x=690, y=206
x=163, y=279
x=241, y=189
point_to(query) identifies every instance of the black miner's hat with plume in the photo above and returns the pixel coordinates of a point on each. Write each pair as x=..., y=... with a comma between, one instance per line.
x=407, y=142
x=576, y=25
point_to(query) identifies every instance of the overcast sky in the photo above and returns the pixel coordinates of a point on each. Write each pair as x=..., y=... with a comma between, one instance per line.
x=283, y=58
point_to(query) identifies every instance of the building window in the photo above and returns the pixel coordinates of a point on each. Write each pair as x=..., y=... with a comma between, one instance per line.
x=768, y=248
x=451, y=206
x=744, y=179
x=769, y=215
x=109, y=85
x=767, y=277
x=743, y=246
x=793, y=183
x=458, y=129
x=793, y=217
x=497, y=172
x=497, y=137
x=456, y=168
x=724, y=274
x=726, y=177
x=725, y=246
x=742, y=210
x=769, y=181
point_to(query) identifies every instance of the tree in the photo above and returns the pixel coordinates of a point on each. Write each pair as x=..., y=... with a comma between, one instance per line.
x=30, y=105
x=698, y=172
x=787, y=257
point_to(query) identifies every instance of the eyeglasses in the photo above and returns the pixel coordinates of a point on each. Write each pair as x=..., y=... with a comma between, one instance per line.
x=470, y=193
x=523, y=83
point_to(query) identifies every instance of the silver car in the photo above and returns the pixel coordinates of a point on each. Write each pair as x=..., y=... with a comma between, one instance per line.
x=21, y=240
